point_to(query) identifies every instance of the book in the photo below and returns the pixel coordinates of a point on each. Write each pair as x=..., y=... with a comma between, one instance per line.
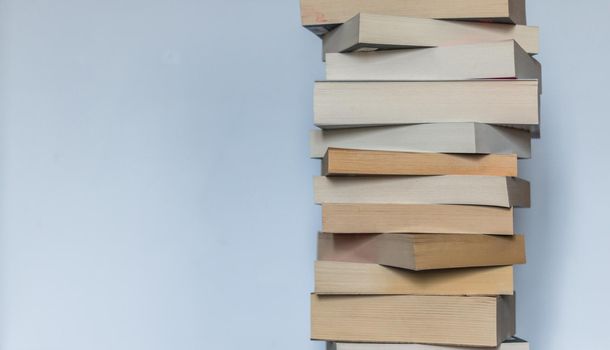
x=368, y=32
x=339, y=161
x=416, y=218
x=487, y=60
x=442, y=189
x=320, y=16
x=509, y=344
x=423, y=251
x=334, y=277
x=455, y=320
x=375, y=103
x=470, y=138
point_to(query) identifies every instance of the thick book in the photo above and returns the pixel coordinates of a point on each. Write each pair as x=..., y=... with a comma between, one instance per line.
x=320, y=16
x=489, y=60
x=426, y=251
x=335, y=277
x=374, y=103
x=443, y=189
x=453, y=320
x=339, y=161
x=416, y=218
x=368, y=32
x=510, y=344
x=469, y=138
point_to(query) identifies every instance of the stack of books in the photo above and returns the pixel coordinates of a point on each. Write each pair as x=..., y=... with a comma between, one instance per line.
x=426, y=109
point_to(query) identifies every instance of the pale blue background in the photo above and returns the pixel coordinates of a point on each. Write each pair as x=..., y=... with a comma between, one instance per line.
x=155, y=190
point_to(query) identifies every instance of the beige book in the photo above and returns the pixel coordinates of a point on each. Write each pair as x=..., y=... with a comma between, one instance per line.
x=443, y=189
x=349, y=104
x=510, y=344
x=368, y=32
x=427, y=251
x=452, y=320
x=322, y=15
x=364, y=162
x=471, y=138
x=488, y=60
x=416, y=218
x=334, y=277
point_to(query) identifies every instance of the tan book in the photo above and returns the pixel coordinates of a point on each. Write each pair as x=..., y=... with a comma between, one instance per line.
x=364, y=162
x=320, y=16
x=453, y=320
x=443, y=189
x=422, y=251
x=368, y=32
x=488, y=60
x=374, y=103
x=510, y=344
x=470, y=138
x=416, y=218
x=334, y=277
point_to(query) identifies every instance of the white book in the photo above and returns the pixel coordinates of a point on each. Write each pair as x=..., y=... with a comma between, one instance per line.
x=368, y=32
x=497, y=191
x=374, y=103
x=489, y=60
x=511, y=344
x=471, y=138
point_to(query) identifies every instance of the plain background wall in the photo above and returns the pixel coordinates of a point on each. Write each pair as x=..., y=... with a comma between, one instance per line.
x=155, y=190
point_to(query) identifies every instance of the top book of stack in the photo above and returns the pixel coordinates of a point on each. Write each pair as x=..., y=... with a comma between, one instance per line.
x=320, y=16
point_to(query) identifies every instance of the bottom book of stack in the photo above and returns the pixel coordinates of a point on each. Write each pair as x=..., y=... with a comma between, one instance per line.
x=452, y=320
x=366, y=306
x=510, y=344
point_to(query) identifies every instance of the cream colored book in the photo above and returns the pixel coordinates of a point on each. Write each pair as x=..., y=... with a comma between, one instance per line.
x=510, y=344
x=422, y=251
x=320, y=16
x=416, y=218
x=443, y=189
x=339, y=161
x=453, y=320
x=334, y=277
x=470, y=138
x=488, y=60
x=368, y=32
x=350, y=104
